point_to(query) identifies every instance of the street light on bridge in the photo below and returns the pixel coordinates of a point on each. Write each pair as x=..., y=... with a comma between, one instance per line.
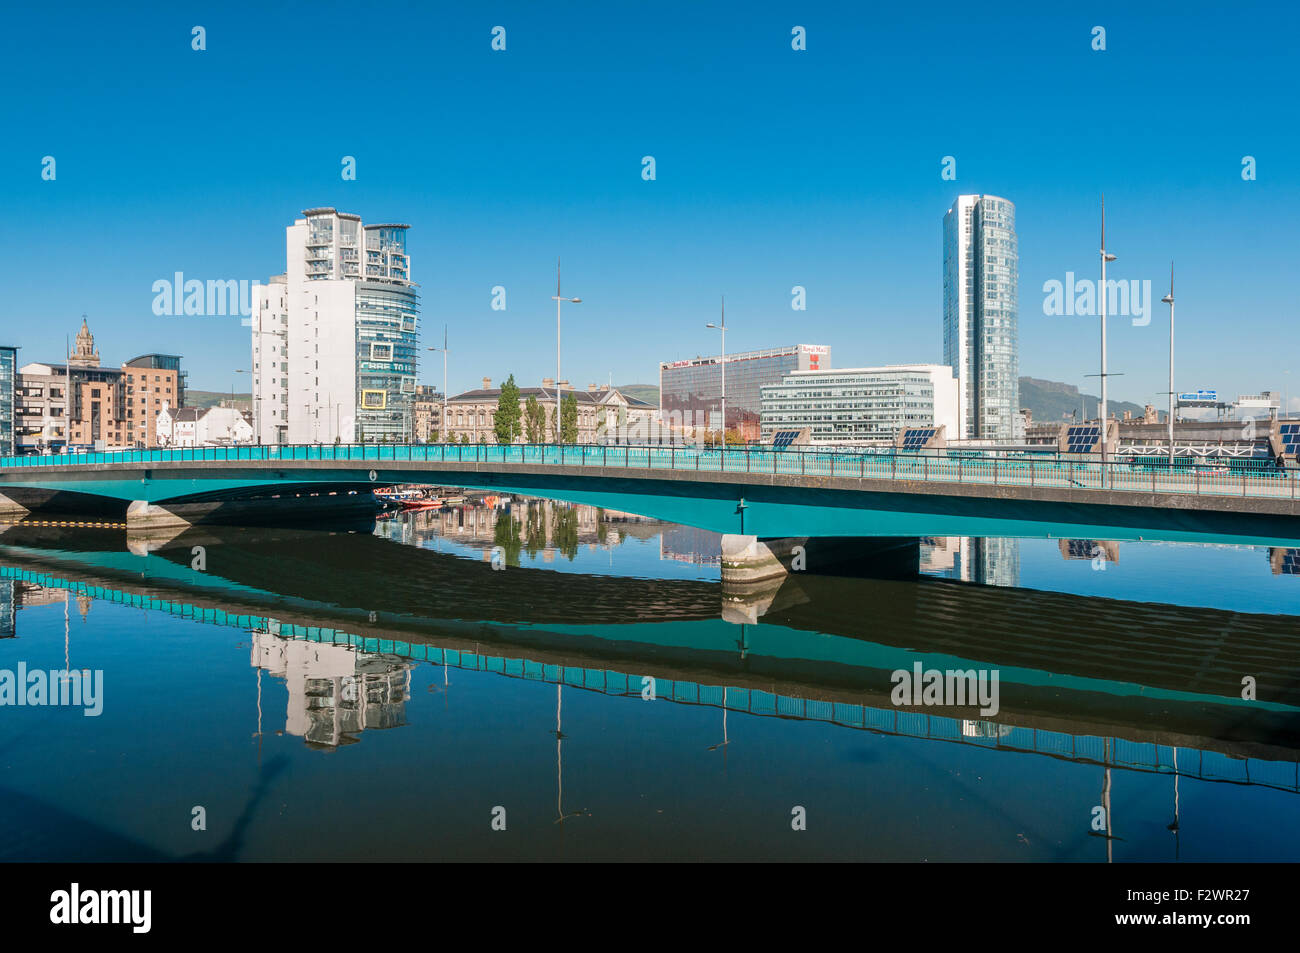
x=559, y=391
x=444, y=381
x=722, y=326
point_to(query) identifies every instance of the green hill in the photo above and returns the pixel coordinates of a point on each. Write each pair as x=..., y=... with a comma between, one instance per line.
x=1052, y=401
x=647, y=392
x=212, y=398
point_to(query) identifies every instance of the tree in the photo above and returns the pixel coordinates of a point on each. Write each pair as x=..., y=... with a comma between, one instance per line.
x=534, y=420
x=506, y=424
x=569, y=419
x=506, y=535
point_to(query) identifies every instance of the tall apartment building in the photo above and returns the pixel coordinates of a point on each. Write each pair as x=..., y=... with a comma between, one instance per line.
x=8, y=385
x=862, y=405
x=981, y=264
x=692, y=389
x=335, y=338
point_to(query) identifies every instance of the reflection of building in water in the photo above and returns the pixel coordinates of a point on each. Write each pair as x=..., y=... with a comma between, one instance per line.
x=984, y=729
x=990, y=561
x=690, y=545
x=537, y=525
x=335, y=692
x=1104, y=549
x=939, y=554
x=1284, y=562
x=8, y=605
x=16, y=594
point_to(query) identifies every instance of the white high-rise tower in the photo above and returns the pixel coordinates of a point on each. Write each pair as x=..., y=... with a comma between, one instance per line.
x=981, y=343
x=335, y=344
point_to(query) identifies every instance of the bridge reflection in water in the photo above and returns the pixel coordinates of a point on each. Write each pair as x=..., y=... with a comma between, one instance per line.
x=1118, y=684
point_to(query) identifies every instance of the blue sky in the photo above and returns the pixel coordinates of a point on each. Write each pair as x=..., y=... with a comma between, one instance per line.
x=774, y=168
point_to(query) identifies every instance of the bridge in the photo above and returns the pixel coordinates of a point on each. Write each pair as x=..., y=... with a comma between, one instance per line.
x=743, y=493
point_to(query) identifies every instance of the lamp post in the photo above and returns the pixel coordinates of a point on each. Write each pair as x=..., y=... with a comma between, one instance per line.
x=559, y=300
x=1101, y=295
x=1169, y=300
x=243, y=370
x=722, y=326
x=444, y=381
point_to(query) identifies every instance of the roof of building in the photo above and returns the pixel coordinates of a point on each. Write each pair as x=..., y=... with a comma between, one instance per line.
x=152, y=361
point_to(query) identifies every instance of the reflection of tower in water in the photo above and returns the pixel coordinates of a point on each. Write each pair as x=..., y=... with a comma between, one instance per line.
x=335, y=692
x=8, y=609
x=989, y=561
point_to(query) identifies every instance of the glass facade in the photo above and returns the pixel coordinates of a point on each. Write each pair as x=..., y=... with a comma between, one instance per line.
x=981, y=263
x=693, y=389
x=867, y=405
x=8, y=380
x=387, y=352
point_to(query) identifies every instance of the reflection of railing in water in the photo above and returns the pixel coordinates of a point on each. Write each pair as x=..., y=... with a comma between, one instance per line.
x=1083, y=749
x=1109, y=751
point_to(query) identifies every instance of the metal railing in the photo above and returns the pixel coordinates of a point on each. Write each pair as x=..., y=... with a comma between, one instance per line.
x=896, y=466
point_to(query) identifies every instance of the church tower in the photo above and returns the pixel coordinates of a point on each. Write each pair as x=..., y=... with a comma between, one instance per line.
x=83, y=352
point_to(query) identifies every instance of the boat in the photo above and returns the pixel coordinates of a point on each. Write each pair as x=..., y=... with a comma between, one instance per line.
x=408, y=498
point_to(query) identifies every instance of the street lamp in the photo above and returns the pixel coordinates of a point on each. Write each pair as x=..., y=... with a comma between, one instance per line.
x=723, y=328
x=243, y=370
x=1101, y=295
x=559, y=300
x=1169, y=300
x=444, y=380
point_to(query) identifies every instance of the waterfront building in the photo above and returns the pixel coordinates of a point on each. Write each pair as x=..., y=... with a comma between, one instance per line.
x=83, y=404
x=981, y=263
x=204, y=427
x=8, y=385
x=862, y=405
x=335, y=338
x=604, y=413
x=428, y=413
x=690, y=391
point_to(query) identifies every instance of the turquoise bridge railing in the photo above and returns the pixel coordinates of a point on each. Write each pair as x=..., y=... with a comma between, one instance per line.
x=961, y=467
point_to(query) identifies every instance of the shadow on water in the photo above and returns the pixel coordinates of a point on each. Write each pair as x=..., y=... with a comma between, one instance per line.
x=36, y=828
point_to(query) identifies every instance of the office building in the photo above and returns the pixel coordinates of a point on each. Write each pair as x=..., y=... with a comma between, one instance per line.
x=862, y=405
x=981, y=313
x=335, y=338
x=690, y=392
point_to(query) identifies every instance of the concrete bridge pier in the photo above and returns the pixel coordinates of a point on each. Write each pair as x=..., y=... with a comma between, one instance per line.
x=10, y=511
x=747, y=560
x=148, y=519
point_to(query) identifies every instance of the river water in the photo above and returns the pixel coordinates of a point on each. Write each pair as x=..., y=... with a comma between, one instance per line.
x=532, y=680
